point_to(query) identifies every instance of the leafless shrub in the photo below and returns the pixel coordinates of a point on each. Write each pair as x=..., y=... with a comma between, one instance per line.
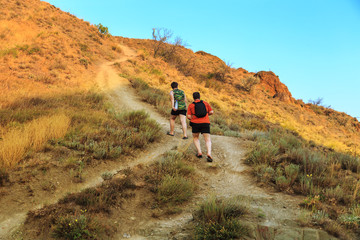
x=161, y=36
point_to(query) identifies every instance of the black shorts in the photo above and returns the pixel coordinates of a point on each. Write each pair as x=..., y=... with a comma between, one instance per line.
x=200, y=127
x=178, y=112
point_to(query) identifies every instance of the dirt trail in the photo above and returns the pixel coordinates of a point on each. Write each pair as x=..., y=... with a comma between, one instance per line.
x=280, y=211
x=229, y=177
x=123, y=97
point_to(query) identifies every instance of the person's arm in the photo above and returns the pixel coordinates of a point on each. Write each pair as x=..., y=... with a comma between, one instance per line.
x=185, y=99
x=189, y=115
x=211, y=111
x=172, y=100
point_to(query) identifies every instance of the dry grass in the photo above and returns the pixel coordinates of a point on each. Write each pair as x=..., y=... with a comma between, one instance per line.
x=33, y=135
x=218, y=219
x=236, y=104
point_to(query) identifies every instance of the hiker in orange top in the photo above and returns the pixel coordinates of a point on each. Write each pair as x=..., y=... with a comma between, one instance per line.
x=198, y=113
x=178, y=103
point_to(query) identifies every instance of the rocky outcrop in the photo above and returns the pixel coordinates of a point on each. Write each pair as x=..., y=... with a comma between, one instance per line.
x=272, y=86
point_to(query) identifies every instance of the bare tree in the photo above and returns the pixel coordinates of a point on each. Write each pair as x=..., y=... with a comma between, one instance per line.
x=317, y=102
x=160, y=37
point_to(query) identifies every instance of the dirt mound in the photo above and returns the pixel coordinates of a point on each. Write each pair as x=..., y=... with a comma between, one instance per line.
x=272, y=85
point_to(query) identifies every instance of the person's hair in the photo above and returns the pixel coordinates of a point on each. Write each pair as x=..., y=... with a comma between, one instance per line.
x=196, y=95
x=174, y=85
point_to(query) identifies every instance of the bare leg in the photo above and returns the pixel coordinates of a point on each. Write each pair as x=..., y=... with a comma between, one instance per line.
x=172, y=124
x=197, y=143
x=183, y=124
x=208, y=143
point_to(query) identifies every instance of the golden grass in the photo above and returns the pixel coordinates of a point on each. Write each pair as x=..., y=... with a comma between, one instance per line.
x=16, y=143
x=318, y=128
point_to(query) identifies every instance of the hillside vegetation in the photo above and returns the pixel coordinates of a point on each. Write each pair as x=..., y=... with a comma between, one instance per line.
x=53, y=118
x=46, y=51
x=250, y=100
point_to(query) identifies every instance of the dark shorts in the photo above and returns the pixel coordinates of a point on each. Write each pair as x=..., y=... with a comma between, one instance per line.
x=178, y=112
x=200, y=127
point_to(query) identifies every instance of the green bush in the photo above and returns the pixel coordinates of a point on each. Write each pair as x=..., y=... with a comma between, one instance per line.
x=292, y=172
x=264, y=152
x=319, y=217
x=264, y=172
x=228, y=229
x=75, y=228
x=102, y=29
x=175, y=189
x=217, y=219
x=282, y=182
x=350, y=221
x=171, y=164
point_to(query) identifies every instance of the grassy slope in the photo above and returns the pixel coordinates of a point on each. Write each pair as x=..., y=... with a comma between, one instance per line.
x=47, y=61
x=197, y=72
x=44, y=50
x=287, y=156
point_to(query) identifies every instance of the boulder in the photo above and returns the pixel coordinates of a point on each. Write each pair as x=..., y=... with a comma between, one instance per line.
x=272, y=86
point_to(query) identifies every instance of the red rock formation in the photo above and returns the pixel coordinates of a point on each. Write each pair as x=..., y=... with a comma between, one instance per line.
x=272, y=85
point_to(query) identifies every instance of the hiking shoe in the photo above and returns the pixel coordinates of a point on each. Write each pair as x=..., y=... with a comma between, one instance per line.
x=199, y=155
x=185, y=138
x=168, y=133
x=209, y=159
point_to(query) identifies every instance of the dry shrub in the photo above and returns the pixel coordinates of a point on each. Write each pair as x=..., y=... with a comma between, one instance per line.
x=175, y=189
x=218, y=219
x=33, y=135
x=246, y=84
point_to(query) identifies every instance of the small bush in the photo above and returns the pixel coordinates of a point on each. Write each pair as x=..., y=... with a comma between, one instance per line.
x=216, y=210
x=102, y=29
x=171, y=164
x=350, y=221
x=217, y=219
x=264, y=172
x=107, y=175
x=264, y=152
x=336, y=193
x=228, y=229
x=319, y=217
x=175, y=189
x=292, y=172
x=75, y=228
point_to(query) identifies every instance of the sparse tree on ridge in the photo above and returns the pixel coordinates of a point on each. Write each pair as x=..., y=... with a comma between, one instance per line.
x=317, y=102
x=160, y=36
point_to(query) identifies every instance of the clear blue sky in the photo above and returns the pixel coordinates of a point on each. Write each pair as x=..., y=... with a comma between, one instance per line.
x=313, y=45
